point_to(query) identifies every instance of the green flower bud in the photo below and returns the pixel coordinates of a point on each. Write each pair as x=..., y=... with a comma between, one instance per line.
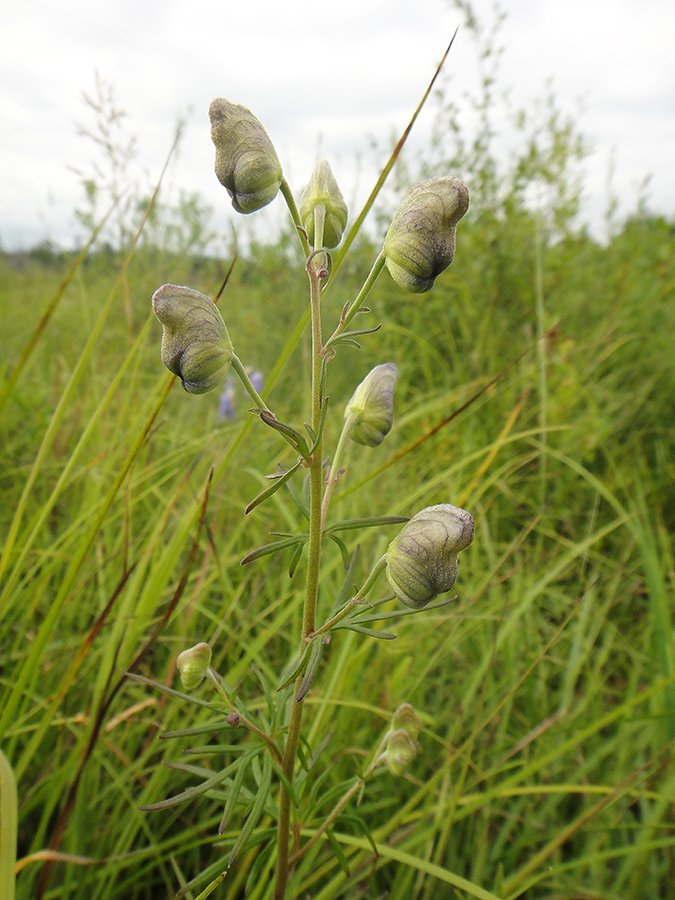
x=193, y=665
x=420, y=242
x=406, y=718
x=399, y=752
x=422, y=558
x=195, y=342
x=246, y=162
x=372, y=405
x=323, y=189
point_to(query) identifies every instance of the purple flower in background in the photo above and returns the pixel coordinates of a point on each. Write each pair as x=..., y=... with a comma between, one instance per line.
x=257, y=379
x=227, y=406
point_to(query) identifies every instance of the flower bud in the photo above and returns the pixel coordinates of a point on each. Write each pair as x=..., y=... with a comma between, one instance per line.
x=323, y=189
x=420, y=242
x=246, y=161
x=372, y=405
x=399, y=752
x=195, y=342
x=422, y=558
x=406, y=718
x=193, y=665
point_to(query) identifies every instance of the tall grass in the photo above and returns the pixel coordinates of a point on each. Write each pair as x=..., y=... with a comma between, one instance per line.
x=546, y=690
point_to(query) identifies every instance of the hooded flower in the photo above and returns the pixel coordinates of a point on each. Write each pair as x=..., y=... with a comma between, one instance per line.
x=195, y=343
x=246, y=161
x=422, y=558
x=420, y=242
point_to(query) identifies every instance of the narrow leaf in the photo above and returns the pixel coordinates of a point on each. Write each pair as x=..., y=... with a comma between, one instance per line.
x=400, y=613
x=295, y=559
x=275, y=547
x=192, y=792
x=344, y=550
x=370, y=632
x=235, y=790
x=256, y=811
x=279, y=480
x=366, y=522
x=312, y=669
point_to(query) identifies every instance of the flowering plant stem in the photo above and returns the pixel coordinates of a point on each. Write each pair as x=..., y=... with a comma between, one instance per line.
x=316, y=272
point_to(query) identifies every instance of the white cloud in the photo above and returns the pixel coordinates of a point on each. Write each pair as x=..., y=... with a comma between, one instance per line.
x=319, y=80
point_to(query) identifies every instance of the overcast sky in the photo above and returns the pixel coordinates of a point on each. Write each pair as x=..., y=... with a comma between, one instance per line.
x=324, y=80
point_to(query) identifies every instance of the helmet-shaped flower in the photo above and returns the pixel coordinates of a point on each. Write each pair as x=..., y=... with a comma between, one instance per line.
x=246, y=161
x=420, y=242
x=196, y=345
x=422, y=558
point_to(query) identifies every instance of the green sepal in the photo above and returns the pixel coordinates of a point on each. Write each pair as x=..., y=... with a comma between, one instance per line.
x=275, y=547
x=279, y=480
x=366, y=522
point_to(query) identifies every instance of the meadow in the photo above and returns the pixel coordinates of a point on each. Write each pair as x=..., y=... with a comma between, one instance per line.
x=536, y=391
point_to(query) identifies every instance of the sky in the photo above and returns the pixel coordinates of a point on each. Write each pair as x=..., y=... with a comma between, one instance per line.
x=338, y=81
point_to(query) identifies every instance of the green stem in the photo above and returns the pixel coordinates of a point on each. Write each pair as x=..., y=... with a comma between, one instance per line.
x=335, y=466
x=295, y=215
x=312, y=580
x=373, y=275
x=319, y=222
x=348, y=607
x=242, y=375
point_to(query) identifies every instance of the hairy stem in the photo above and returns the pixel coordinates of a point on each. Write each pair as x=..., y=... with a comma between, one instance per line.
x=373, y=275
x=315, y=272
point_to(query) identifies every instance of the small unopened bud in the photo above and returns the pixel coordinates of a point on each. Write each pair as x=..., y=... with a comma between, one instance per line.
x=195, y=343
x=372, y=405
x=323, y=190
x=193, y=665
x=246, y=161
x=420, y=242
x=399, y=752
x=406, y=718
x=422, y=558
x=233, y=718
